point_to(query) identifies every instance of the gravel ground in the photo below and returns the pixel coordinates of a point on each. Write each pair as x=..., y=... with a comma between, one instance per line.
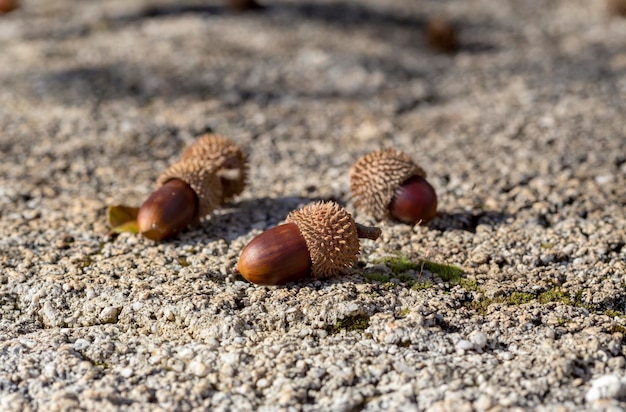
x=513, y=298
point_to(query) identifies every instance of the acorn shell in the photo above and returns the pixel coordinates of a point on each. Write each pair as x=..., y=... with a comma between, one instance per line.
x=204, y=182
x=375, y=177
x=331, y=237
x=223, y=155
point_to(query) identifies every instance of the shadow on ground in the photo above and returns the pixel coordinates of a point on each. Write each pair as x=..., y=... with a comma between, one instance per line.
x=468, y=221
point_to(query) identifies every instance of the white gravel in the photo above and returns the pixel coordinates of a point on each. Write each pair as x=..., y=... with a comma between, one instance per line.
x=521, y=133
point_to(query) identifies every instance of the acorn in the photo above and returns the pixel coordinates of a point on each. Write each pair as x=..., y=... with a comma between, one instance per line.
x=222, y=154
x=7, y=6
x=388, y=183
x=211, y=171
x=441, y=35
x=319, y=240
x=617, y=7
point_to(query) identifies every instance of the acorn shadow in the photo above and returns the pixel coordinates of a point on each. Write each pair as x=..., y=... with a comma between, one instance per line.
x=238, y=218
x=468, y=221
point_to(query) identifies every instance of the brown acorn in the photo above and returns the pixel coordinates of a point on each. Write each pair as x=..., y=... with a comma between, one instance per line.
x=320, y=240
x=7, y=6
x=387, y=183
x=211, y=171
x=441, y=35
x=222, y=154
x=617, y=7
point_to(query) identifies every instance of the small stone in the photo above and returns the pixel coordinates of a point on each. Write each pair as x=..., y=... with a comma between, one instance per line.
x=49, y=371
x=507, y=356
x=262, y=383
x=479, y=339
x=464, y=345
x=81, y=344
x=606, y=387
x=483, y=403
x=50, y=314
x=405, y=369
x=198, y=368
x=617, y=363
x=126, y=372
x=110, y=314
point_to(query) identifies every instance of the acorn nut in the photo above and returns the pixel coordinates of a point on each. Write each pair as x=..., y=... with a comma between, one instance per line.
x=211, y=171
x=222, y=154
x=387, y=183
x=7, y=6
x=320, y=240
x=441, y=35
x=617, y=7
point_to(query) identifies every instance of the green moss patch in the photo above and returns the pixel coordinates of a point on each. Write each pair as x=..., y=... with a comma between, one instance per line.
x=613, y=313
x=377, y=277
x=401, y=268
x=422, y=285
x=521, y=298
x=399, y=264
x=404, y=312
x=447, y=273
x=350, y=324
x=554, y=295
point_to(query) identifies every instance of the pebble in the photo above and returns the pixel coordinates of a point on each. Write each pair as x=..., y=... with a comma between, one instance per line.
x=198, y=368
x=606, y=387
x=126, y=372
x=110, y=314
x=479, y=339
x=464, y=345
x=81, y=344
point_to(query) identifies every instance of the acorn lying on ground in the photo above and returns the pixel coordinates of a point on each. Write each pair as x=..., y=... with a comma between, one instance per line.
x=441, y=35
x=7, y=6
x=211, y=171
x=387, y=183
x=617, y=7
x=319, y=240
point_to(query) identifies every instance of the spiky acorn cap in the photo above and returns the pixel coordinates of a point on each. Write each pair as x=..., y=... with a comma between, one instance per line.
x=375, y=177
x=330, y=234
x=224, y=156
x=204, y=182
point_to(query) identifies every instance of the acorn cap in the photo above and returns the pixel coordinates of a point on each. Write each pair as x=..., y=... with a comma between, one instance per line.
x=224, y=157
x=375, y=177
x=331, y=237
x=204, y=182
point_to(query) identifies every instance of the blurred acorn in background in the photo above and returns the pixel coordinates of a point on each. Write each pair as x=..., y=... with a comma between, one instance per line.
x=388, y=183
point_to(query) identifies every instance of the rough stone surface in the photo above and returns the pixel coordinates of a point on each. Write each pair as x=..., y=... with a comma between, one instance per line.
x=521, y=133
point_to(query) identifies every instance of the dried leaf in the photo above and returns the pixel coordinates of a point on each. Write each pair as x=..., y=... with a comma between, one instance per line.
x=122, y=219
x=130, y=226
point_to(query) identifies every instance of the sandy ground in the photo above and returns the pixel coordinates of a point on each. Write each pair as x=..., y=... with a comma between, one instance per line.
x=521, y=132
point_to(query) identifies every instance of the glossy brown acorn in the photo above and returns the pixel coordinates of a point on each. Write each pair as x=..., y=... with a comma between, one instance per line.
x=414, y=201
x=617, y=7
x=168, y=210
x=441, y=35
x=275, y=257
x=320, y=240
x=7, y=6
x=212, y=170
x=387, y=183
